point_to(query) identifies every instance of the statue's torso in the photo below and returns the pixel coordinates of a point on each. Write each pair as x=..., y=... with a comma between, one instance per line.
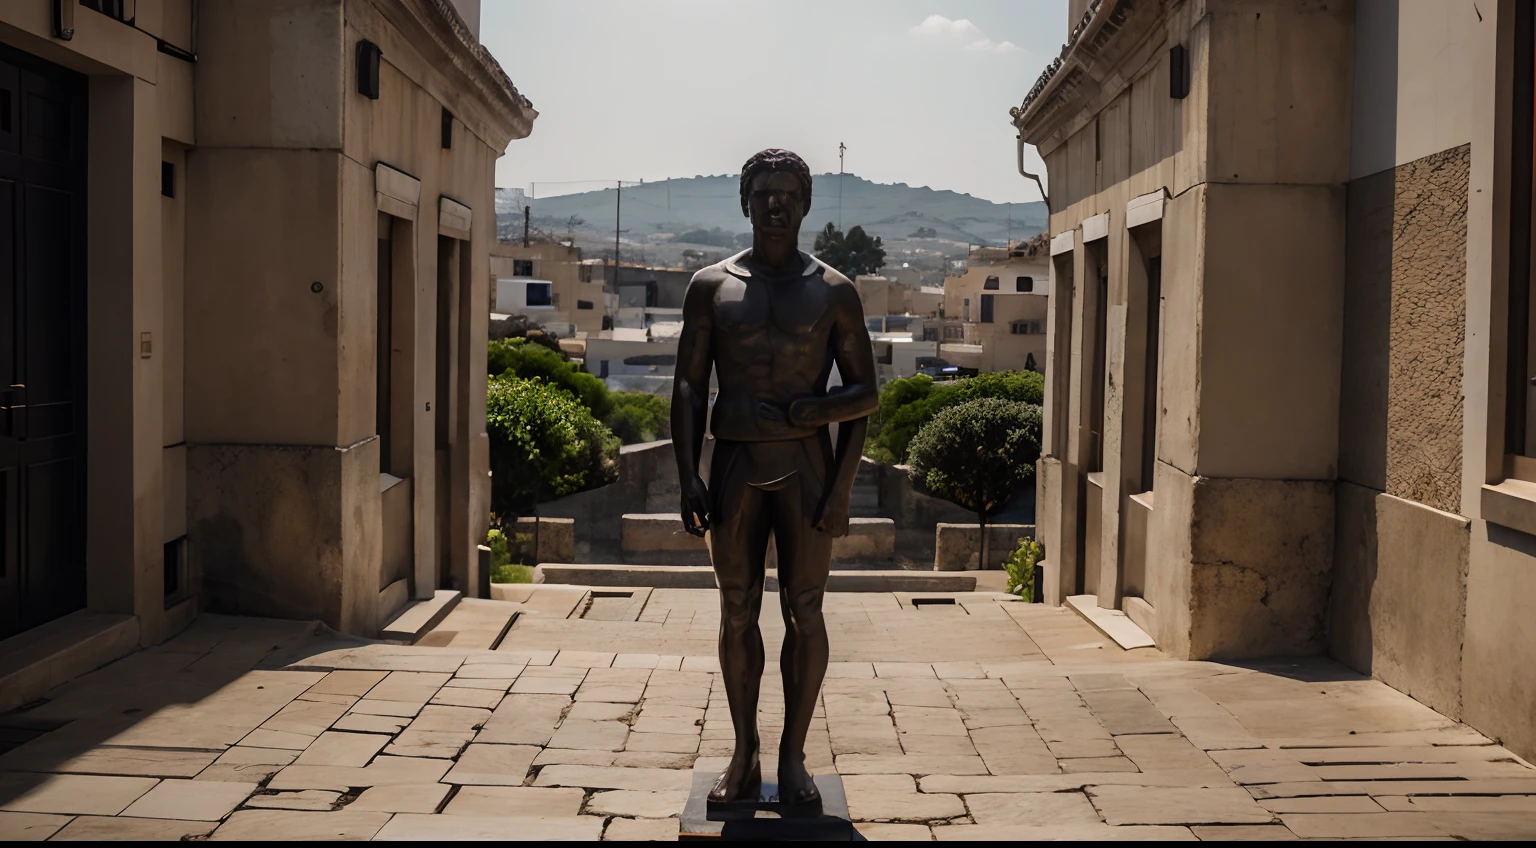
x=772, y=343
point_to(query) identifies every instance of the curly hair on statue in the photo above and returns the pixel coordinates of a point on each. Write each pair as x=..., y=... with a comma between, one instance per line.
x=769, y=161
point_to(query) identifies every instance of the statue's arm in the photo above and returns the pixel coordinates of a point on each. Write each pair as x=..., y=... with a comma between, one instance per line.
x=858, y=396
x=690, y=384
x=850, y=405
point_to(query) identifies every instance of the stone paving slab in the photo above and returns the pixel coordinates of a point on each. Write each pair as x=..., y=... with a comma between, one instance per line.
x=987, y=720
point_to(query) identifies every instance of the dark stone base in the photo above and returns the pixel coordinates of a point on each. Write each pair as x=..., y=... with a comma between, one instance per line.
x=766, y=818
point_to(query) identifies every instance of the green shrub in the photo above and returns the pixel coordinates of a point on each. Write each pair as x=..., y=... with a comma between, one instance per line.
x=543, y=445
x=639, y=417
x=977, y=455
x=503, y=569
x=909, y=403
x=532, y=360
x=1020, y=566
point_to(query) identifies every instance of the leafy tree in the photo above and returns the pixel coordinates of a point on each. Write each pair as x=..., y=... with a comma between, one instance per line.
x=853, y=254
x=639, y=417
x=532, y=359
x=907, y=404
x=924, y=232
x=977, y=455
x=543, y=445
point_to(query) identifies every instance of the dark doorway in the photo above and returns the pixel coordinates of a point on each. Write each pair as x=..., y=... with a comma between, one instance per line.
x=42, y=341
x=1150, y=384
x=385, y=339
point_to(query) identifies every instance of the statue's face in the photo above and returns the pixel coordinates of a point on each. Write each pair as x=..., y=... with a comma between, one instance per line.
x=777, y=204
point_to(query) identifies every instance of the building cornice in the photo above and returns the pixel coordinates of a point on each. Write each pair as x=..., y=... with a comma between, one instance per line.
x=452, y=49
x=1107, y=49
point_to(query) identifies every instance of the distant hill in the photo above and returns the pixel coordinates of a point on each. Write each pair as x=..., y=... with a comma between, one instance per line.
x=894, y=212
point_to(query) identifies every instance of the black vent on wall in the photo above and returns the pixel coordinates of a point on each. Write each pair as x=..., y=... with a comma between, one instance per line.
x=1178, y=72
x=368, y=55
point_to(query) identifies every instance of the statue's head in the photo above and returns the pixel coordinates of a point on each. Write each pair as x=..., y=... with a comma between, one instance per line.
x=776, y=190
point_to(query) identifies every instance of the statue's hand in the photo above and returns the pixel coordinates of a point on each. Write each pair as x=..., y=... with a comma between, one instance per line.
x=832, y=516
x=696, y=507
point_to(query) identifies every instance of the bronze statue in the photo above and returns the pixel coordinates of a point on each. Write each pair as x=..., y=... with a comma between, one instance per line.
x=771, y=321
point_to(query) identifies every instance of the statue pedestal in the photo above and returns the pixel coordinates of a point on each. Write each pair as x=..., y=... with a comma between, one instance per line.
x=765, y=818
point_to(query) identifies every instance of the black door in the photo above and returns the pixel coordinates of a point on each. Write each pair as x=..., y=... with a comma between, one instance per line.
x=42, y=341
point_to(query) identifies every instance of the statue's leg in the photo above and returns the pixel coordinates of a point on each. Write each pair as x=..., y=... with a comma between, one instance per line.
x=805, y=555
x=738, y=542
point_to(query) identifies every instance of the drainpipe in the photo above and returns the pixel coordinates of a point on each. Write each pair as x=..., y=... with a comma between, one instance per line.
x=1028, y=176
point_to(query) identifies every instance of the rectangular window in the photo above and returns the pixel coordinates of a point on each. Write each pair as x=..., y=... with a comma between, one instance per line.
x=986, y=308
x=447, y=129
x=539, y=295
x=965, y=313
x=522, y=267
x=991, y=284
x=583, y=304
x=584, y=273
x=175, y=567
x=1023, y=284
x=167, y=179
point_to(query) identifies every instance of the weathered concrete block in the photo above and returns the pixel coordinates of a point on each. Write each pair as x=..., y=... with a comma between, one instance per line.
x=1261, y=558
x=659, y=539
x=1399, y=600
x=556, y=540
x=957, y=547
x=288, y=531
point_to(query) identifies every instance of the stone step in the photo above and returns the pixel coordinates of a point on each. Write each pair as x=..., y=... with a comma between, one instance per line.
x=1111, y=622
x=696, y=577
x=417, y=618
x=37, y=660
x=544, y=600
x=474, y=623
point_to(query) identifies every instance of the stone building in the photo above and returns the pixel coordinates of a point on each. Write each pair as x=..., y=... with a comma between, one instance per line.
x=1290, y=352
x=574, y=289
x=999, y=304
x=252, y=242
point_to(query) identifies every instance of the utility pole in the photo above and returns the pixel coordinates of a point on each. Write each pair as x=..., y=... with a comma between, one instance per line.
x=527, y=212
x=618, y=205
x=840, y=150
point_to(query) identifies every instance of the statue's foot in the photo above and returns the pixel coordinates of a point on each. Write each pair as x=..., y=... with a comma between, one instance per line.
x=796, y=785
x=741, y=780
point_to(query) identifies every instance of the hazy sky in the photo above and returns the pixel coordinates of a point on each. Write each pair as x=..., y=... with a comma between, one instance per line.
x=919, y=90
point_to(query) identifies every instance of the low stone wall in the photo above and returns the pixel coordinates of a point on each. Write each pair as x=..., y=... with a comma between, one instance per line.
x=870, y=542
x=957, y=547
x=659, y=539
x=647, y=484
x=555, y=537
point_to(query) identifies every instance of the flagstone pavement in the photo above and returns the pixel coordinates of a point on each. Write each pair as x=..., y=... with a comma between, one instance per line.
x=960, y=717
